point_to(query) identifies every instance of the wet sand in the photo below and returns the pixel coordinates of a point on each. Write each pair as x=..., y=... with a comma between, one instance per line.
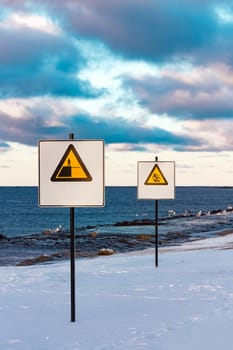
x=49, y=246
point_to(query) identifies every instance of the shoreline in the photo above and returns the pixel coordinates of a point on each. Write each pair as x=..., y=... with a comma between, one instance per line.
x=34, y=249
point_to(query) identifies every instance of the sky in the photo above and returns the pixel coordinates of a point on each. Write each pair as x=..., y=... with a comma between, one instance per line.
x=151, y=78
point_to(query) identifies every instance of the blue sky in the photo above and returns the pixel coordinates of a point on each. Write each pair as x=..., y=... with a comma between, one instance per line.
x=151, y=78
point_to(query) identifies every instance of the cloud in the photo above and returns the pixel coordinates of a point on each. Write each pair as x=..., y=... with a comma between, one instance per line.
x=186, y=43
x=151, y=30
x=37, y=63
x=121, y=131
x=198, y=93
x=28, y=130
x=158, y=31
x=4, y=146
x=213, y=135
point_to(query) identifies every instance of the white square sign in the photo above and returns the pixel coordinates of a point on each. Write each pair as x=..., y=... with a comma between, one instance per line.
x=156, y=180
x=71, y=173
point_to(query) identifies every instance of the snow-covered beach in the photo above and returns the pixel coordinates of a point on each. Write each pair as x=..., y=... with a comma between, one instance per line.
x=123, y=301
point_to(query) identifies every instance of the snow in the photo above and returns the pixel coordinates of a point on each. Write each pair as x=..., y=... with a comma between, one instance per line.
x=123, y=302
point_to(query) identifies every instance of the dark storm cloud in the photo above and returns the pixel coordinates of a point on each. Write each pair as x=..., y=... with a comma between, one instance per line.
x=25, y=130
x=152, y=30
x=201, y=100
x=122, y=131
x=34, y=63
x=29, y=130
x=140, y=29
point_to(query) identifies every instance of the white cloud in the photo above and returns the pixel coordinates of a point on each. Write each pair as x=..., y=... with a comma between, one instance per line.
x=22, y=20
x=224, y=14
x=213, y=134
x=57, y=108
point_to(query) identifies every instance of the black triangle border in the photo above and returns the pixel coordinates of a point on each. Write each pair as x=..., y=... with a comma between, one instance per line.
x=156, y=184
x=57, y=170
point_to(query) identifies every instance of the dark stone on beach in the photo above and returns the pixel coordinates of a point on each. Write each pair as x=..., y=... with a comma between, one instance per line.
x=135, y=223
x=38, y=260
x=144, y=237
x=105, y=251
x=2, y=236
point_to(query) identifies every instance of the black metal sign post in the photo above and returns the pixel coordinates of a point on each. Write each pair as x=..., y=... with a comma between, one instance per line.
x=156, y=234
x=156, y=229
x=72, y=259
x=72, y=264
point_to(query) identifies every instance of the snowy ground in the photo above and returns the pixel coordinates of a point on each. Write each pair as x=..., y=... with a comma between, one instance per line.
x=123, y=302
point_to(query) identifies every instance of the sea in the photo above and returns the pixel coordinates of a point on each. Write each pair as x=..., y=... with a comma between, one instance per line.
x=195, y=213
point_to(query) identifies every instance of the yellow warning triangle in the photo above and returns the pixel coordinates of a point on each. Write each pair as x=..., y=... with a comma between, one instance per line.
x=156, y=177
x=71, y=167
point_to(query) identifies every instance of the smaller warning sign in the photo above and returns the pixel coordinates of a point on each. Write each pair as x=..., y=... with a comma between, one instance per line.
x=156, y=180
x=156, y=177
x=71, y=167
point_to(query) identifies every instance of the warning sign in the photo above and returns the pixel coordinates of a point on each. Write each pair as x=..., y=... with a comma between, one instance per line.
x=156, y=177
x=156, y=180
x=71, y=173
x=71, y=167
